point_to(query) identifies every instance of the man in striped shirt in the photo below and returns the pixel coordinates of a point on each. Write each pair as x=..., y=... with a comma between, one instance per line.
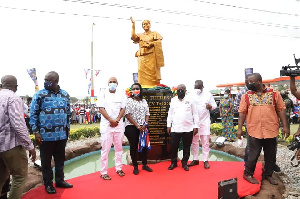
x=14, y=138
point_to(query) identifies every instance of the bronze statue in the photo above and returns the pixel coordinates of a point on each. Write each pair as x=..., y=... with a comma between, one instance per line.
x=150, y=55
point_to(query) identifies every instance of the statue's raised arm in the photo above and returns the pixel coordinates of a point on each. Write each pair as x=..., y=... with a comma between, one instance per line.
x=150, y=54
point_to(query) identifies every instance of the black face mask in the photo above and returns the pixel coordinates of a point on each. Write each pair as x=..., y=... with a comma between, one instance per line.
x=181, y=95
x=251, y=86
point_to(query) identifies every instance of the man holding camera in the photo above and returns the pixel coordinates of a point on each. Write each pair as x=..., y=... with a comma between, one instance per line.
x=260, y=107
x=297, y=95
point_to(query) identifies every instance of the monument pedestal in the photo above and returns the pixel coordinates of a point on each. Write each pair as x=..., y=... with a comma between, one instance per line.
x=159, y=103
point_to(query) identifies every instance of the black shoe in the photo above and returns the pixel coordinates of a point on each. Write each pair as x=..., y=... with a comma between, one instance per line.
x=63, y=184
x=276, y=168
x=50, y=189
x=193, y=163
x=206, y=165
x=146, y=168
x=135, y=171
x=172, y=166
x=185, y=167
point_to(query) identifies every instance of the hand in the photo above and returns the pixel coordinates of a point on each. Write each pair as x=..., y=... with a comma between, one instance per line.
x=169, y=130
x=239, y=133
x=221, y=115
x=38, y=138
x=143, y=128
x=132, y=21
x=208, y=106
x=297, y=133
x=286, y=131
x=297, y=155
x=195, y=131
x=113, y=123
x=32, y=154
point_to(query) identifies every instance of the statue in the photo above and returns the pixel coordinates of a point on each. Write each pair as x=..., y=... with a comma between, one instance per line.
x=150, y=55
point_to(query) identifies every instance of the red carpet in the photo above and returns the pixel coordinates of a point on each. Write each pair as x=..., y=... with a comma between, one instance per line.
x=161, y=183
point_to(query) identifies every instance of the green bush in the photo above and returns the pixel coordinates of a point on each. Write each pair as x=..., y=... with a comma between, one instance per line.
x=76, y=134
x=216, y=128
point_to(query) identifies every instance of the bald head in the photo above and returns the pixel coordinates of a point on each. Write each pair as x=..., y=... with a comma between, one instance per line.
x=9, y=82
x=113, y=80
x=198, y=84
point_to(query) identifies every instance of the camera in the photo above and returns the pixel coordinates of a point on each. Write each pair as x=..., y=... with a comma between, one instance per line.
x=290, y=71
x=295, y=144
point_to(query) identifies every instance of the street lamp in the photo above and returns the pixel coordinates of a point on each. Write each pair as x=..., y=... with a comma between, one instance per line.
x=92, y=68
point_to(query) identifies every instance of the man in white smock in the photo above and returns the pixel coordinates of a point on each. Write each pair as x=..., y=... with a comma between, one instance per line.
x=112, y=108
x=205, y=102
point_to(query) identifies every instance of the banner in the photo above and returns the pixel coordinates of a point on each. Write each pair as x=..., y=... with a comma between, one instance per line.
x=32, y=74
x=89, y=87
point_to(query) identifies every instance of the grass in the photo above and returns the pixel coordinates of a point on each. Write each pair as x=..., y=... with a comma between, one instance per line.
x=78, y=126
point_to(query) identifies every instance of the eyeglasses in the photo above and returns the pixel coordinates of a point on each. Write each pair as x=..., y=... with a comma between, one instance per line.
x=135, y=89
x=180, y=90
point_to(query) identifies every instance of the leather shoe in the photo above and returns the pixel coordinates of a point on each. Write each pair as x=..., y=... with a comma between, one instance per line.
x=271, y=180
x=146, y=168
x=135, y=170
x=172, y=166
x=63, y=184
x=185, y=167
x=50, y=189
x=250, y=179
x=193, y=163
x=206, y=165
x=276, y=168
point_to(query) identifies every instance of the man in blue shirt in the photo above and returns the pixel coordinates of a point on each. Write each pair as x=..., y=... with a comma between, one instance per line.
x=50, y=121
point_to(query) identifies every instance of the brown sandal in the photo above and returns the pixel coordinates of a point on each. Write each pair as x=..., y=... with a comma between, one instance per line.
x=105, y=177
x=120, y=173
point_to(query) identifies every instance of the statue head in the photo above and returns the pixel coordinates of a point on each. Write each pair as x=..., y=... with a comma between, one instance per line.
x=146, y=25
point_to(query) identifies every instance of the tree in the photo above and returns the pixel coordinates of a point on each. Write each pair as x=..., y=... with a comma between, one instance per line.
x=73, y=100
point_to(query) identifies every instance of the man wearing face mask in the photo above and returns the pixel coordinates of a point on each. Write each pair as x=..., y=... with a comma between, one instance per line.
x=14, y=138
x=50, y=118
x=204, y=102
x=112, y=108
x=182, y=122
x=261, y=106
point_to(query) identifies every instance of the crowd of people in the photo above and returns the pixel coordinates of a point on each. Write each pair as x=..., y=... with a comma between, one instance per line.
x=51, y=114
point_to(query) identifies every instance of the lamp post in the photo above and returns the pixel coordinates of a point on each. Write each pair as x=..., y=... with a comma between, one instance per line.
x=92, y=67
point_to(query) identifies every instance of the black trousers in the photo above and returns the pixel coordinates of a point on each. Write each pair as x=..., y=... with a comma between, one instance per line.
x=255, y=145
x=5, y=189
x=187, y=138
x=57, y=150
x=132, y=134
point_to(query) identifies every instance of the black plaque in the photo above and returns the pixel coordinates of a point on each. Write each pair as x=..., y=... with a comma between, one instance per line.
x=159, y=103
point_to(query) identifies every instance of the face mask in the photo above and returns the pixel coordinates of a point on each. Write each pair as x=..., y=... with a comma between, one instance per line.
x=48, y=85
x=181, y=95
x=112, y=86
x=198, y=91
x=251, y=86
x=136, y=93
x=226, y=96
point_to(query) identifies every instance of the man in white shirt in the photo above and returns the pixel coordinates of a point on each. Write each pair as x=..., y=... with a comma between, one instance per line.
x=112, y=108
x=205, y=102
x=182, y=122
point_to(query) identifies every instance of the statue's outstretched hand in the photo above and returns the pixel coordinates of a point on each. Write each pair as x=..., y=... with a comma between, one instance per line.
x=132, y=21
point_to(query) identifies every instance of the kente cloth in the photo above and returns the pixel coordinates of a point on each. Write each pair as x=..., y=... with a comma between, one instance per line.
x=144, y=141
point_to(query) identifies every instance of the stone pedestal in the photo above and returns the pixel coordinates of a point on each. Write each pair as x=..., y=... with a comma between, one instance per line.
x=159, y=103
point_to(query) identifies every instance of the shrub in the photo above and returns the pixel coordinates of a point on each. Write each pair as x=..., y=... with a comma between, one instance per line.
x=216, y=128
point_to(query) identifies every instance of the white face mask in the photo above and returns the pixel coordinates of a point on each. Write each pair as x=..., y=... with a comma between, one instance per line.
x=198, y=91
x=112, y=86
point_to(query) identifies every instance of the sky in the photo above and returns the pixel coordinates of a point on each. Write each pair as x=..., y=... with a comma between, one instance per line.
x=213, y=41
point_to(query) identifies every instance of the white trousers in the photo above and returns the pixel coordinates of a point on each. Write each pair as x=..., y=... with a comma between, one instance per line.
x=107, y=139
x=205, y=146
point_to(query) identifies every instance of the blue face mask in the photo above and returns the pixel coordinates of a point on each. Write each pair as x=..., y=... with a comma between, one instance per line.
x=48, y=85
x=112, y=86
x=226, y=96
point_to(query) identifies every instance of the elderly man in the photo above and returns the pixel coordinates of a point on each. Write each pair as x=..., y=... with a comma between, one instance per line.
x=14, y=138
x=182, y=122
x=261, y=106
x=50, y=121
x=205, y=102
x=112, y=108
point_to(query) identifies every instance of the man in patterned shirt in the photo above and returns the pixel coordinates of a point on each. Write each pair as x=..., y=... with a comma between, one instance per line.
x=261, y=106
x=50, y=121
